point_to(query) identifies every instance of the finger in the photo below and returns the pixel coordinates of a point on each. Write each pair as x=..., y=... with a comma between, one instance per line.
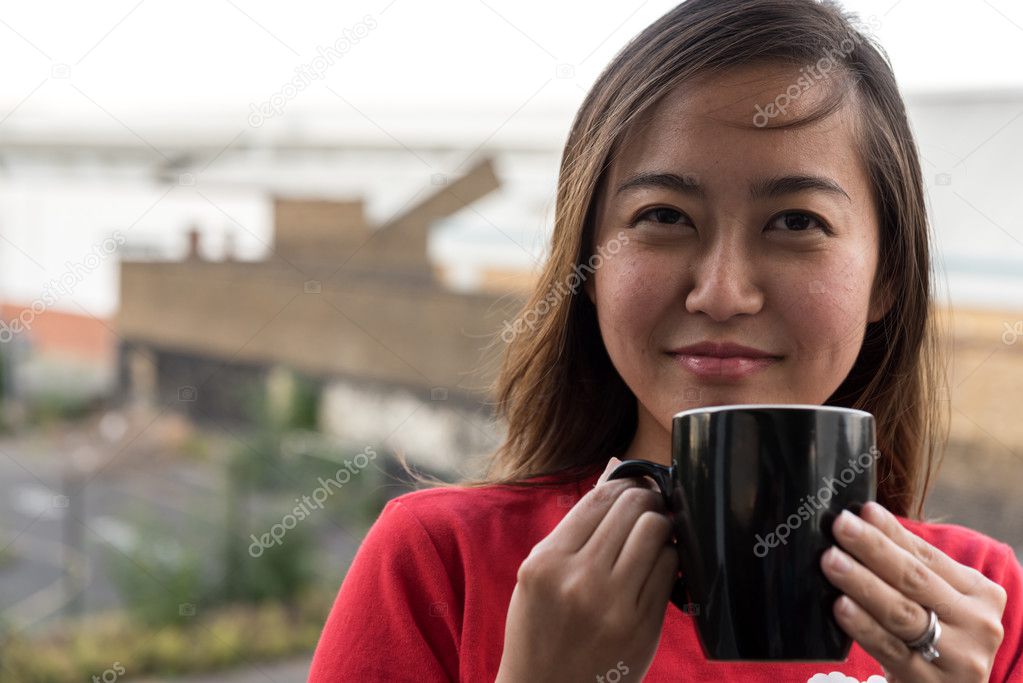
x=607, y=541
x=656, y=588
x=962, y=578
x=650, y=533
x=893, y=654
x=579, y=524
x=891, y=609
x=966, y=580
x=611, y=464
x=892, y=563
x=647, y=481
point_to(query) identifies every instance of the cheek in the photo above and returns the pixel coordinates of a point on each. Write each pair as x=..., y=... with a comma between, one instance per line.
x=825, y=310
x=632, y=295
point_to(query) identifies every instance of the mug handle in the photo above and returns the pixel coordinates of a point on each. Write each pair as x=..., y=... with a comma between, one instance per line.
x=664, y=476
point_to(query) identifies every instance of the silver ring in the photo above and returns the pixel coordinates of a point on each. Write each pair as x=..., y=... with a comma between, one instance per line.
x=926, y=643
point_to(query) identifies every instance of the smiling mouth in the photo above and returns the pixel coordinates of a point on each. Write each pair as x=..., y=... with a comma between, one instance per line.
x=723, y=367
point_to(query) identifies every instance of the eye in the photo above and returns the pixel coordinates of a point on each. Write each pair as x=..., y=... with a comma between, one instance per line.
x=660, y=214
x=798, y=221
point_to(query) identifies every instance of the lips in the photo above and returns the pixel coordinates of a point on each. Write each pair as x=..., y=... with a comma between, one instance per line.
x=723, y=360
x=722, y=350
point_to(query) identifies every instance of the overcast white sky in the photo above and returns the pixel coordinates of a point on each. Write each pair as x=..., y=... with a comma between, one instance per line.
x=182, y=60
x=475, y=71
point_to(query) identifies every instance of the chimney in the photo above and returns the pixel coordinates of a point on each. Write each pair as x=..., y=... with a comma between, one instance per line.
x=230, y=253
x=193, y=244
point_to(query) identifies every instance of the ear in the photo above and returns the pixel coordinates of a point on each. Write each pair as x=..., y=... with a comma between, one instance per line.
x=881, y=301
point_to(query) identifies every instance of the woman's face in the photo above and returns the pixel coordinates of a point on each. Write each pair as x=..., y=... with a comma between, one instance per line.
x=722, y=231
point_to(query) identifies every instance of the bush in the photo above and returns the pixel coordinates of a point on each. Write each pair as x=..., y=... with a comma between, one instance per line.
x=155, y=581
x=48, y=409
x=224, y=637
x=279, y=572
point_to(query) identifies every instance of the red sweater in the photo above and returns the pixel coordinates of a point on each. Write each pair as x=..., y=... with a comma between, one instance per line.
x=426, y=596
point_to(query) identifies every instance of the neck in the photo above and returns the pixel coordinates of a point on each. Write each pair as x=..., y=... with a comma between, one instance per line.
x=652, y=441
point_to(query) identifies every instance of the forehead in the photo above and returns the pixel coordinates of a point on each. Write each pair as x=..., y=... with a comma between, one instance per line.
x=709, y=127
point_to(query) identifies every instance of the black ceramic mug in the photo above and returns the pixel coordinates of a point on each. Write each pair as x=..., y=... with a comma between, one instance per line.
x=753, y=491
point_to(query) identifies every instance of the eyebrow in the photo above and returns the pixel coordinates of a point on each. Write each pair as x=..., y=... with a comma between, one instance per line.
x=759, y=189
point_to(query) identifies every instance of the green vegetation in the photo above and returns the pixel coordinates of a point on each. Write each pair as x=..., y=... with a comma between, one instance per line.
x=49, y=409
x=154, y=583
x=198, y=593
x=6, y=552
x=208, y=640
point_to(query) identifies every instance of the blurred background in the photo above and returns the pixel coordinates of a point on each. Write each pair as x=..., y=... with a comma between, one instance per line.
x=249, y=251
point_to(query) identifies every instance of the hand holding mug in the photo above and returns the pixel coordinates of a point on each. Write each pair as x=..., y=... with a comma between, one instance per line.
x=591, y=596
x=890, y=579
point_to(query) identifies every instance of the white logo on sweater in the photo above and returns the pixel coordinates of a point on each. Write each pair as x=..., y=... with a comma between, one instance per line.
x=839, y=677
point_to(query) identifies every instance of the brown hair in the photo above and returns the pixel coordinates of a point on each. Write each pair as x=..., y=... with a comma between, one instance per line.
x=566, y=407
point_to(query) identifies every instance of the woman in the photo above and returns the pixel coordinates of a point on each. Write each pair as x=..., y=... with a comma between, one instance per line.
x=742, y=173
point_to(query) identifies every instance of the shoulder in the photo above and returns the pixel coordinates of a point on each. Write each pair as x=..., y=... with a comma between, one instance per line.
x=467, y=506
x=453, y=516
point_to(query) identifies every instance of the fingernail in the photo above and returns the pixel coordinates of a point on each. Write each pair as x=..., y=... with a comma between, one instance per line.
x=838, y=560
x=873, y=512
x=850, y=525
x=845, y=605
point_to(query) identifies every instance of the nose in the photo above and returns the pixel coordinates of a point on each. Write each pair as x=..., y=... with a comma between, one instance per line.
x=724, y=274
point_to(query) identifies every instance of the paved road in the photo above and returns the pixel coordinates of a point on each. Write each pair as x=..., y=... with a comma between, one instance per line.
x=37, y=522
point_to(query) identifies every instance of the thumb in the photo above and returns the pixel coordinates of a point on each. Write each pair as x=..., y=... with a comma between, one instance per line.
x=611, y=464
